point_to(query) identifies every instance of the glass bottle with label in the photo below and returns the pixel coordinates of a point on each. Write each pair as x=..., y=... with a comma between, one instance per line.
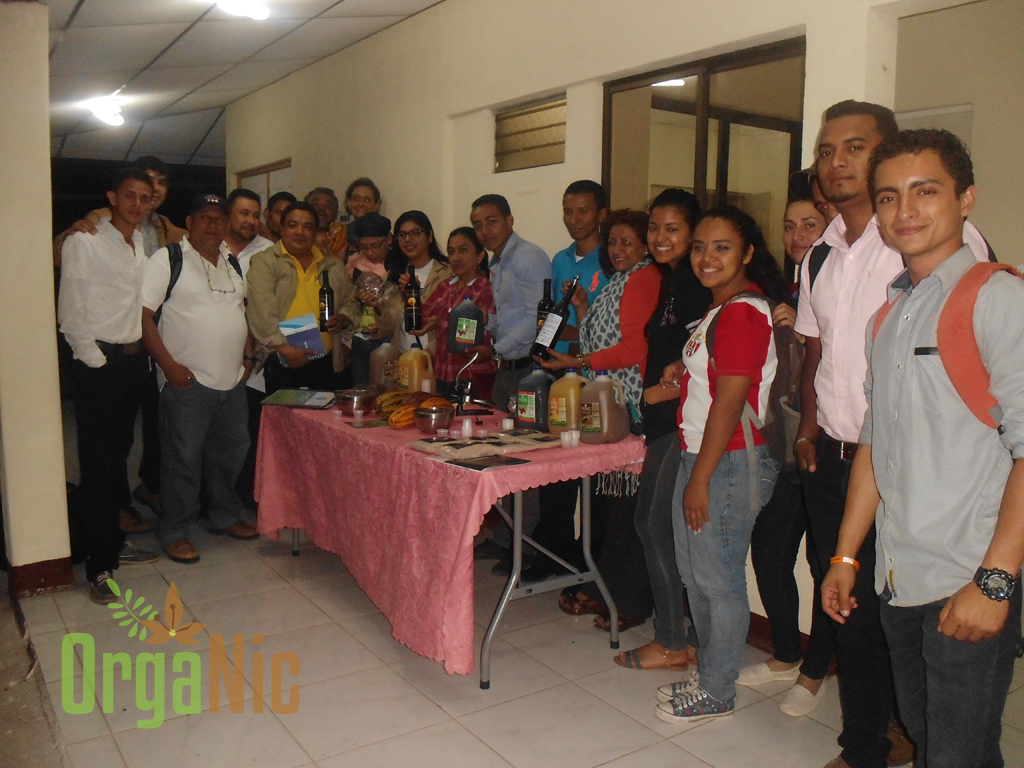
x=413, y=304
x=545, y=306
x=326, y=301
x=555, y=321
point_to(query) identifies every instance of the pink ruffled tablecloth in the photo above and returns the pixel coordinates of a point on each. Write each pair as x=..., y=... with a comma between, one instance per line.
x=402, y=521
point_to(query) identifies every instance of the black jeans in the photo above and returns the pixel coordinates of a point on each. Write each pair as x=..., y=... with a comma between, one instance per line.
x=653, y=521
x=773, y=550
x=106, y=400
x=149, y=465
x=951, y=693
x=247, y=477
x=359, y=359
x=865, y=673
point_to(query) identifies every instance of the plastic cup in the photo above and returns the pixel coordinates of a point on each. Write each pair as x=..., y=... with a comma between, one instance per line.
x=481, y=433
x=467, y=427
x=508, y=423
x=442, y=433
x=575, y=437
x=357, y=416
x=566, y=439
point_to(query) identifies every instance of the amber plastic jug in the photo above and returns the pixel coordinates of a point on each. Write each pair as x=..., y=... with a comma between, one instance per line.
x=415, y=367
x=564, y=402
x=604, y=415
x=384, y=365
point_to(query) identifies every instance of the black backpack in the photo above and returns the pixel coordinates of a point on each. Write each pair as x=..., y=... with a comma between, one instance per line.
x=175, y=258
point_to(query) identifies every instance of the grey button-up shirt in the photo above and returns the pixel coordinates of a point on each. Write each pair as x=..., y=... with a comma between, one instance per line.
x=940, y=471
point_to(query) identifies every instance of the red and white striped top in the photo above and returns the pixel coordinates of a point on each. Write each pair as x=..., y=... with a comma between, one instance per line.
x=744, y=346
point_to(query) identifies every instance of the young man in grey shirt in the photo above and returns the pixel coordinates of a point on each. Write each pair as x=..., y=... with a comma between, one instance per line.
x=944, y=490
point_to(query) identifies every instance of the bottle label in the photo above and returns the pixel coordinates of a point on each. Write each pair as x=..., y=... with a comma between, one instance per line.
x=590, y=417
x=541, y=317
x=390, y=373
x=403, y=377
x=547, y=333
x=526, y=407
x=465, y=330
x=557, y=416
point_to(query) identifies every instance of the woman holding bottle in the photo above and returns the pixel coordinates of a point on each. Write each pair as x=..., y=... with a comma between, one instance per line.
x=728, y=363
x=467, y=259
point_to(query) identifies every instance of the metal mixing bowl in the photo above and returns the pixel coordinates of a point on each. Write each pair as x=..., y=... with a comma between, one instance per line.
x=349, y=400
x=429, y=420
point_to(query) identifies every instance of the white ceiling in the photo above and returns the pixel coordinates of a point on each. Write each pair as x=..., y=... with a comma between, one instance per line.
x=182, y=62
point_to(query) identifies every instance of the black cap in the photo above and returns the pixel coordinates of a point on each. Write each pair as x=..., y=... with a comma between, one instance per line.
x=202, y=201
x=371, y=224
x=800, y=184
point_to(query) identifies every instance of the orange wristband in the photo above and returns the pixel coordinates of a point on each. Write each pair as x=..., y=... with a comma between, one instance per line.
x=847, y=560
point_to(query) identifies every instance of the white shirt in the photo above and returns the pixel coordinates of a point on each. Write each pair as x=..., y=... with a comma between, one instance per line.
x=203, y=322
x=101, y=277
x=848, y=290
x=259, y=243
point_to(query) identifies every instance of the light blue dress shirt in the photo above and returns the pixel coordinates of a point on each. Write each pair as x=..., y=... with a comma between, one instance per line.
x=517, y=280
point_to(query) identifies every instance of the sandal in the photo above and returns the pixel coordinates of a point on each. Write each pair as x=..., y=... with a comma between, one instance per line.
x=580, y=605
x=604, y=621
x=631, y=659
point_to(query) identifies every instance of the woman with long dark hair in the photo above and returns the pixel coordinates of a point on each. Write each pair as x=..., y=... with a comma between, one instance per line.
x=415, y=250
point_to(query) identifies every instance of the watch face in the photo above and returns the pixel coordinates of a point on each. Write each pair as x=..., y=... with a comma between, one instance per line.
x=997, y=586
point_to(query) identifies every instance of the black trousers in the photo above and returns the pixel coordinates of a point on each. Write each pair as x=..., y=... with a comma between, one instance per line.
x=149, y=465
x=247, y=477
x=106, y=401
x=865, y=672
x=773, y=551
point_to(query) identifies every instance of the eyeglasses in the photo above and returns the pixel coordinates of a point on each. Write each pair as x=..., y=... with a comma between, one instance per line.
x=221, y=275
x=411, y=234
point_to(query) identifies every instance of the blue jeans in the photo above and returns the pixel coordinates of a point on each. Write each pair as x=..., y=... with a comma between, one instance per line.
x=712, y=563
x=951, y=693
x=204, y=436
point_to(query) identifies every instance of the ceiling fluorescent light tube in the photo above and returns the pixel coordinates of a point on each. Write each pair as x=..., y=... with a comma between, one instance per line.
x=670, y=83
x=251, y=8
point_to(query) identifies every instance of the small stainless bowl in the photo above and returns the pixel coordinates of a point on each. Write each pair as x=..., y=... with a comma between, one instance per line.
x=429, y=420
x=349, y=400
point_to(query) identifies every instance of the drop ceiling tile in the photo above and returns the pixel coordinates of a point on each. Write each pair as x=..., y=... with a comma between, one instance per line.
x=59, y=12
x=90, y=51
x=224, y=42
x=322, y=37
x=167, y=158
x=198, y=101
x=176, y=79
x=112, y=13
x=65, y=121
x=215, y=144
x=215, y=162
x=70, y=89
x=283, y=9
x=110, y=143
x=380, y=7
x=180, y=134
x=254, y=74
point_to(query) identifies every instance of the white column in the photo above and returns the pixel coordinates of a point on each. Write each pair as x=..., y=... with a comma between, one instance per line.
x=31, y=442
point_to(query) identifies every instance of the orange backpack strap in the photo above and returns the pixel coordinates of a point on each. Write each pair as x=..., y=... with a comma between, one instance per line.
x=958, y=346
x=883, y=312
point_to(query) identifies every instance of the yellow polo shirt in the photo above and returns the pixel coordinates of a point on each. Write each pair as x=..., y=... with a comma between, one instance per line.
x=307, y=293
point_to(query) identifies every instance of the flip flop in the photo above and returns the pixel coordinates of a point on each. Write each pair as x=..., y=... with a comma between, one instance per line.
x=580, y=605
x=631, y=660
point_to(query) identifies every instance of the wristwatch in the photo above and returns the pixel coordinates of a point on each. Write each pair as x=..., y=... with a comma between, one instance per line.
x=995, y=584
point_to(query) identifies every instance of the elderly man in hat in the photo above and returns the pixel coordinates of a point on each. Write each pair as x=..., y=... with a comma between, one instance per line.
x=193, y=324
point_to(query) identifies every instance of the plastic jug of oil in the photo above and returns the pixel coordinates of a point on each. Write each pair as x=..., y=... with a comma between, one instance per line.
x=532, y=400
x=415, y=367
x=384, y=365
x=564, y=402
x=604, y=416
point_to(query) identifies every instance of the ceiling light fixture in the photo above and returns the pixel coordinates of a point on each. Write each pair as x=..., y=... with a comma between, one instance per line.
x=670, y=83
x=106, y=108
x=251, y=8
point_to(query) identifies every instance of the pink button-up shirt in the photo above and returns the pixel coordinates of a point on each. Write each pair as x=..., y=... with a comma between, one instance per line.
x=848, y=290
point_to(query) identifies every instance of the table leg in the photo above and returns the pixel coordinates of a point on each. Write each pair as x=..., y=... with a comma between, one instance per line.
x=506, y=595
x=613, y=612
x=295, y=542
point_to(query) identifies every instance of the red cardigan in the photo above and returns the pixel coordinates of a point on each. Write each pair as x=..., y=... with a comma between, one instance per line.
x=639, y=300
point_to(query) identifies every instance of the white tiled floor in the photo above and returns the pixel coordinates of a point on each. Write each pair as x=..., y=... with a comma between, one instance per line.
x=556, y=697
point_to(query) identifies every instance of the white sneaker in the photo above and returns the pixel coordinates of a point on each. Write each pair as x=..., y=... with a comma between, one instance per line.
x=799, y=701
x=761, y=674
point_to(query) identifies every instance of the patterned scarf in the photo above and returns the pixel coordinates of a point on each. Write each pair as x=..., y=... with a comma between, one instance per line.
x=600, y=329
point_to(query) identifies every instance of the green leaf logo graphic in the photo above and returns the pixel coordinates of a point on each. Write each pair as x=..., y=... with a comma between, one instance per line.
x=129, y=613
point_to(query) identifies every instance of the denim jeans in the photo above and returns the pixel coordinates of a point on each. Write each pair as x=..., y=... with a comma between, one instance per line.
x=865, y=672
x=204, y=437
x=712, y=563
x=950, y=692
x=653, y=520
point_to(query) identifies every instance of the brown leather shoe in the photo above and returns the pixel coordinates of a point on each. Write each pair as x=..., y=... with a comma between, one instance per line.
x=182, y=551
x=130, y=522
x=239, y=530
x=902, y=750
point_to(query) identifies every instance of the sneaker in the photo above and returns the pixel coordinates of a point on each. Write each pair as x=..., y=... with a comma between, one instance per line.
x=132, y=555
x=690, y=684
x=762, y=674
x=99, y=591
x=693, y=707
x=799, y=701
x=130, y=522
